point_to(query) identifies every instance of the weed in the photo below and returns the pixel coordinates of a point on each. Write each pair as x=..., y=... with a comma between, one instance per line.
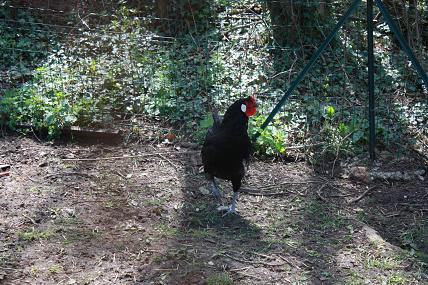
x=201, y=233
x=34, y=270
x=34, y=189
x=397, y=278
x=355, y=279
x=323, y=217
x=156, y=202
x=222, y=278
x=35, y=234
x=54, y=269
x=380, y=262
x=165, y=229
x=80, y=235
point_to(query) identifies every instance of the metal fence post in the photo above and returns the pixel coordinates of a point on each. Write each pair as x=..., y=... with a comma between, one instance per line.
x=308, y=66
x=370, y=62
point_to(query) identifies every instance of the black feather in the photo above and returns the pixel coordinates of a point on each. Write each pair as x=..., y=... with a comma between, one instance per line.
x=227, y=146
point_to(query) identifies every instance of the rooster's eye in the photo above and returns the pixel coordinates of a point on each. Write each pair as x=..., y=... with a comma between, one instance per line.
x=244, y=108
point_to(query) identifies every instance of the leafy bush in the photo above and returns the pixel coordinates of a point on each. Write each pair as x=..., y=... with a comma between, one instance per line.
x=51, y=110
x=23, y=46
x=125, y=67
x=272, y=140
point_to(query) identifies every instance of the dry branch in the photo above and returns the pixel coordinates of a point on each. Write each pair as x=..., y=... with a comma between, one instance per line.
x=362, y=195
x=319, y=193
x=130, y=156
x=69, y=173
x=262, y=193
x=254, y=262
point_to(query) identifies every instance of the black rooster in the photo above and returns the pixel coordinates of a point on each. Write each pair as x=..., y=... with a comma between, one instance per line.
x=227, y=147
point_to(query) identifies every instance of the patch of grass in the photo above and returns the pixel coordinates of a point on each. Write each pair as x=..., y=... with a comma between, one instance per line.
x=4, y=258
x=362, y=217
x=201, y=233
x=322, y=218
x=203, y=214
x=422, y=255
x=34, y=190
x=165, y=229
x=109, y=204
x=355, y=279
x=35, y=234
x=222, y=278
x=415, y=236
x=67, y=242
x=158, y=259
x=380, y=262
x=397, y=278
x=69, y=221
x=80, y=235
x=34, y=270
x=172, y=254
x=158, y=202
x=54, y=269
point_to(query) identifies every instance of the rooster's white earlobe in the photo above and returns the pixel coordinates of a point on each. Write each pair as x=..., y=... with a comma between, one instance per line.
x=244, y=108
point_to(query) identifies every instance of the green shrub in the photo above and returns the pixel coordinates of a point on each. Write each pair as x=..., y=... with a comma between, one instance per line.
x=51, y=110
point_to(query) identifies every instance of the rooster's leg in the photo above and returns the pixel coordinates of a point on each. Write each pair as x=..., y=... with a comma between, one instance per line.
x=232, y=208
x=215, y=190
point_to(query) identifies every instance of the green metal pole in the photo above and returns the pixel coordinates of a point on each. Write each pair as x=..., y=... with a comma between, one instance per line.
x=305, y=70
x=370, y=62
x=403, y=42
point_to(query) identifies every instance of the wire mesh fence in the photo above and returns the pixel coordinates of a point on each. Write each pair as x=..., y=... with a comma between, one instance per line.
x=95, y=63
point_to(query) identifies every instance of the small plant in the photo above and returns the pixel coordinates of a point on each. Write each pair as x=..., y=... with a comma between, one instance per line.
x=54, y=269
x=34, y=270
x=35, y=234
x=50, y=110
x=272, y=140
x=222, y=278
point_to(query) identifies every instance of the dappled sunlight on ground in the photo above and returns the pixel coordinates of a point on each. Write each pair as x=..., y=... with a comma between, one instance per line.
x=146, y=217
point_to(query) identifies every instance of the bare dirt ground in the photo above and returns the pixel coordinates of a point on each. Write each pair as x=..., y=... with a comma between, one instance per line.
x=149, y=219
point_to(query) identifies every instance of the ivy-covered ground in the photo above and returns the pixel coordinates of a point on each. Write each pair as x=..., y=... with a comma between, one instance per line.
x=60, y=68
x=142, y=214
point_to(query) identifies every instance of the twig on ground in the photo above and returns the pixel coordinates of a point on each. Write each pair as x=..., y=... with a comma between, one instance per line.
x=129, y=156
x=239, y=269
x=210, y=240
x=166, y=269
x=29, y=218
x=69, y=173
x=92, y=201
x=249, y=275
x=168, y=160
x=275, y=257
x=289, y=262
x=119, y=174
x=362, y=195
x=287, y=182
x=339, y=195
x=319, y=192
x=262, y=193
x=253, y=262
x=392, y=215
x=32, y=130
